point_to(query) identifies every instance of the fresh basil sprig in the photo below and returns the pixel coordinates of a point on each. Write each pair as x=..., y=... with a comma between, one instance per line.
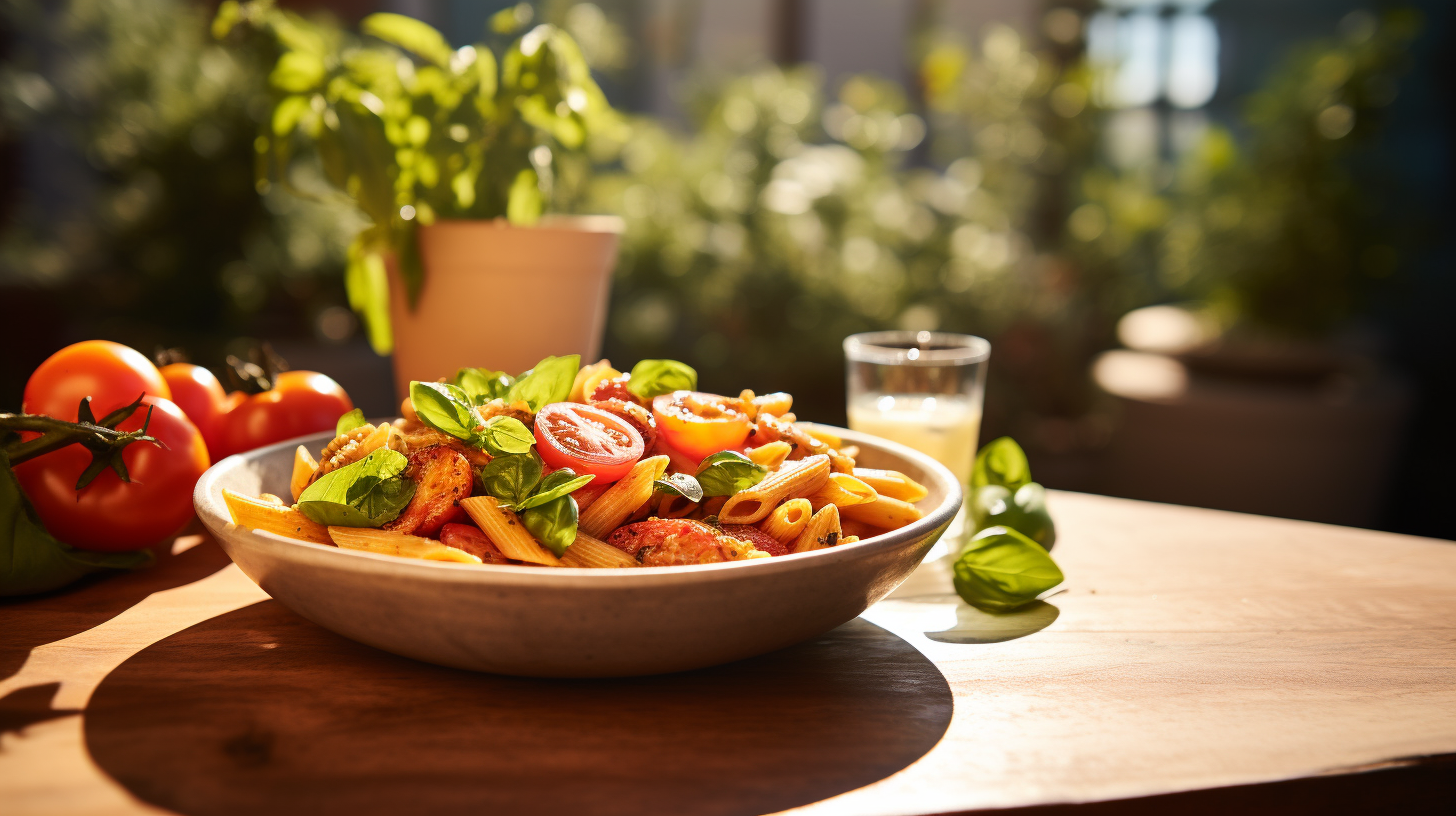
x=369, y=493
x=1002, y=569
x=559, y=483
x=651, y=378
x=679, y=484
x=728, y=472
x=553, y=523
x=550, y=381
x=349, y=422
x=1001, y=462
x=504, y=436
x=446, y=408
x=511, y=479
x=483, y=385
x=1023, y=511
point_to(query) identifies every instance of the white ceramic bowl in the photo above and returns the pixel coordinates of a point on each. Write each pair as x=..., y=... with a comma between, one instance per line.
x=539, y=622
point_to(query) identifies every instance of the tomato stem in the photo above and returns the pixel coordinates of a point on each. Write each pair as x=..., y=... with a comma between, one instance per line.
x=101, y=438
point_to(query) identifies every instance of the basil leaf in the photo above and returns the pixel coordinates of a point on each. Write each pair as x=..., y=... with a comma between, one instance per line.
x=445, y=408
x=505, y=435
x=558, y=484
x=651, y=378
x=1001, y=462
x=1023, y=511
x=31, y=560
x=349, y=422
x=511, y=478
x=679, y=484
x=727, y=472
x=550, y=381
x=1003, y=569
x=483, y=385
x=553, y=523
x=369, y=493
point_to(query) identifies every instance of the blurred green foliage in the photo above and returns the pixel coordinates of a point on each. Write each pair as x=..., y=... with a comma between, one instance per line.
x=412, y=130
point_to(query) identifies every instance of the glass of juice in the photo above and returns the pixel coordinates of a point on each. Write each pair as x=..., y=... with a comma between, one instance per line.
x=922, y=389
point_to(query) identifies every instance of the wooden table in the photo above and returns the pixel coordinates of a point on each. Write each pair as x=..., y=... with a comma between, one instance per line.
x=1194, y=661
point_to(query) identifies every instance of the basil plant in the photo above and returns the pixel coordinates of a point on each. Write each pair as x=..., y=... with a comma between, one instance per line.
x=413, y=130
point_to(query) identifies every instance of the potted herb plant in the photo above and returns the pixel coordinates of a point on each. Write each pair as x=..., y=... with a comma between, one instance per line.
x=452, y=156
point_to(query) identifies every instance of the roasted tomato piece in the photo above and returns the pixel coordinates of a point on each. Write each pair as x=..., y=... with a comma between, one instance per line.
x=699, y=424
x=587, y=440
x=676, y=542
x=614, y=388
x=472, y=540
x=635, y=415
x=442, y=478
x=758, y=538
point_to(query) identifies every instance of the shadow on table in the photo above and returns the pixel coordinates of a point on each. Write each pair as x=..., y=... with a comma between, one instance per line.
x=259, y=710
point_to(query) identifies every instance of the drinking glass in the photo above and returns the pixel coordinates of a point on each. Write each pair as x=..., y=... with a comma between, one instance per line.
x=922, y=389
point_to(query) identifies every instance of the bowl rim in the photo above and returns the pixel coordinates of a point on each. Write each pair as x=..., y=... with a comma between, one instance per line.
x=207, y=499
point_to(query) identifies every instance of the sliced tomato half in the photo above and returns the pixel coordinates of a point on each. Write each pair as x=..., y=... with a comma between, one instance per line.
x=699, y=424
x=587, y=440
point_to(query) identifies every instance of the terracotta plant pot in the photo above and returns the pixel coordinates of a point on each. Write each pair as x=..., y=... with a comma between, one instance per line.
x=503, y=297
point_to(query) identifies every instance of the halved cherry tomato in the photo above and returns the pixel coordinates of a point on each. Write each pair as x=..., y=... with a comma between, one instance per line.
x=110, y=515
x=199, y=394
x=699, y=424
x=299, y=403
x=111, y=374
x=587, y=440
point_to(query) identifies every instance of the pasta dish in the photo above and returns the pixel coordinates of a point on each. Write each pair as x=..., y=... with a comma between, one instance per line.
x=583, y=466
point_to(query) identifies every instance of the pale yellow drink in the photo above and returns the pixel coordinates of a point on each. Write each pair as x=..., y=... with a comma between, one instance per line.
x=943, y=426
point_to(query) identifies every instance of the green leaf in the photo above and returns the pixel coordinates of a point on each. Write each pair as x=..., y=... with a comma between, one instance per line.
x=1003, y=569
x=445, y=408
x=287, y=114
x=728, y=472
x=297, y=72
x=550, y=381
x=560, y=483
x=483, y=385
x=1001, y=462
x=511, y=19
x=679, y=484
x=409, y=34
x=31, y=560
x=506, y=435
x=553, y=523
x=651, y=378
x=367, y=283
x=1023, y=511
x=511, y=479
x=349, y=422
x=369, y=493
x=524, y=201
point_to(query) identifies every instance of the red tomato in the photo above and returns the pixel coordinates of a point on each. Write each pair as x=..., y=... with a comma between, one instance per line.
x=111, y=374
x=300, y=402
x=699, y=424
x=587, y=440
x=199, y=394
x=110, y=515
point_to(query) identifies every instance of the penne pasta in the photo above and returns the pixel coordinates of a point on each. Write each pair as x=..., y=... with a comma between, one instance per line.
x=588, y=493
x=848, y=539
x=622, y=499
x=710, y=506
x=821, y=532
x=273, y=518
x=771, y=455
x=593, y=553
x=884, y=512
x=788, y=520
x=675, y=506
x=384, y=542
x=754, y=504
x=850, y=527
x=303, y=467
x=843, y=490
x=271, y=499
x=830, y=439
x=505, y=530
x=892, y=483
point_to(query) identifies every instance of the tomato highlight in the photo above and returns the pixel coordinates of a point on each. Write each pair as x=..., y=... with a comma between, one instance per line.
x=111, y=374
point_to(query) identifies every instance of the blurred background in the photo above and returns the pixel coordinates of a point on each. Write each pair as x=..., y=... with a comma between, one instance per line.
x=1207, y=240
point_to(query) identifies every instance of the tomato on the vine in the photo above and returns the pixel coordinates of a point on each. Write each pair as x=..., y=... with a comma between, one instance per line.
x=200, y=395
x=111, y=374
x=587, y=440
x=699, y=424
x=110, y=515
x=299, y=403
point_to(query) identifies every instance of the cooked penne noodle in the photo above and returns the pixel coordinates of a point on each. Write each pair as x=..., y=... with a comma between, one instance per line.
x=506, y=531
x=830, y=439
x=851, y=451
x=710, y=506
x=594, y=553
x=271, y=498
x=622, y=499
x=674, y=506
x=303, y=467
x=273, y=518
x=885, y=512
x=788, y=520
x=771, y=455
x=843, y=490
x=851, y=527
x=821, y=532
x=588, y=493
x=755, y=503
x=385, y=542
x=892, y=483
x=848, y=539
